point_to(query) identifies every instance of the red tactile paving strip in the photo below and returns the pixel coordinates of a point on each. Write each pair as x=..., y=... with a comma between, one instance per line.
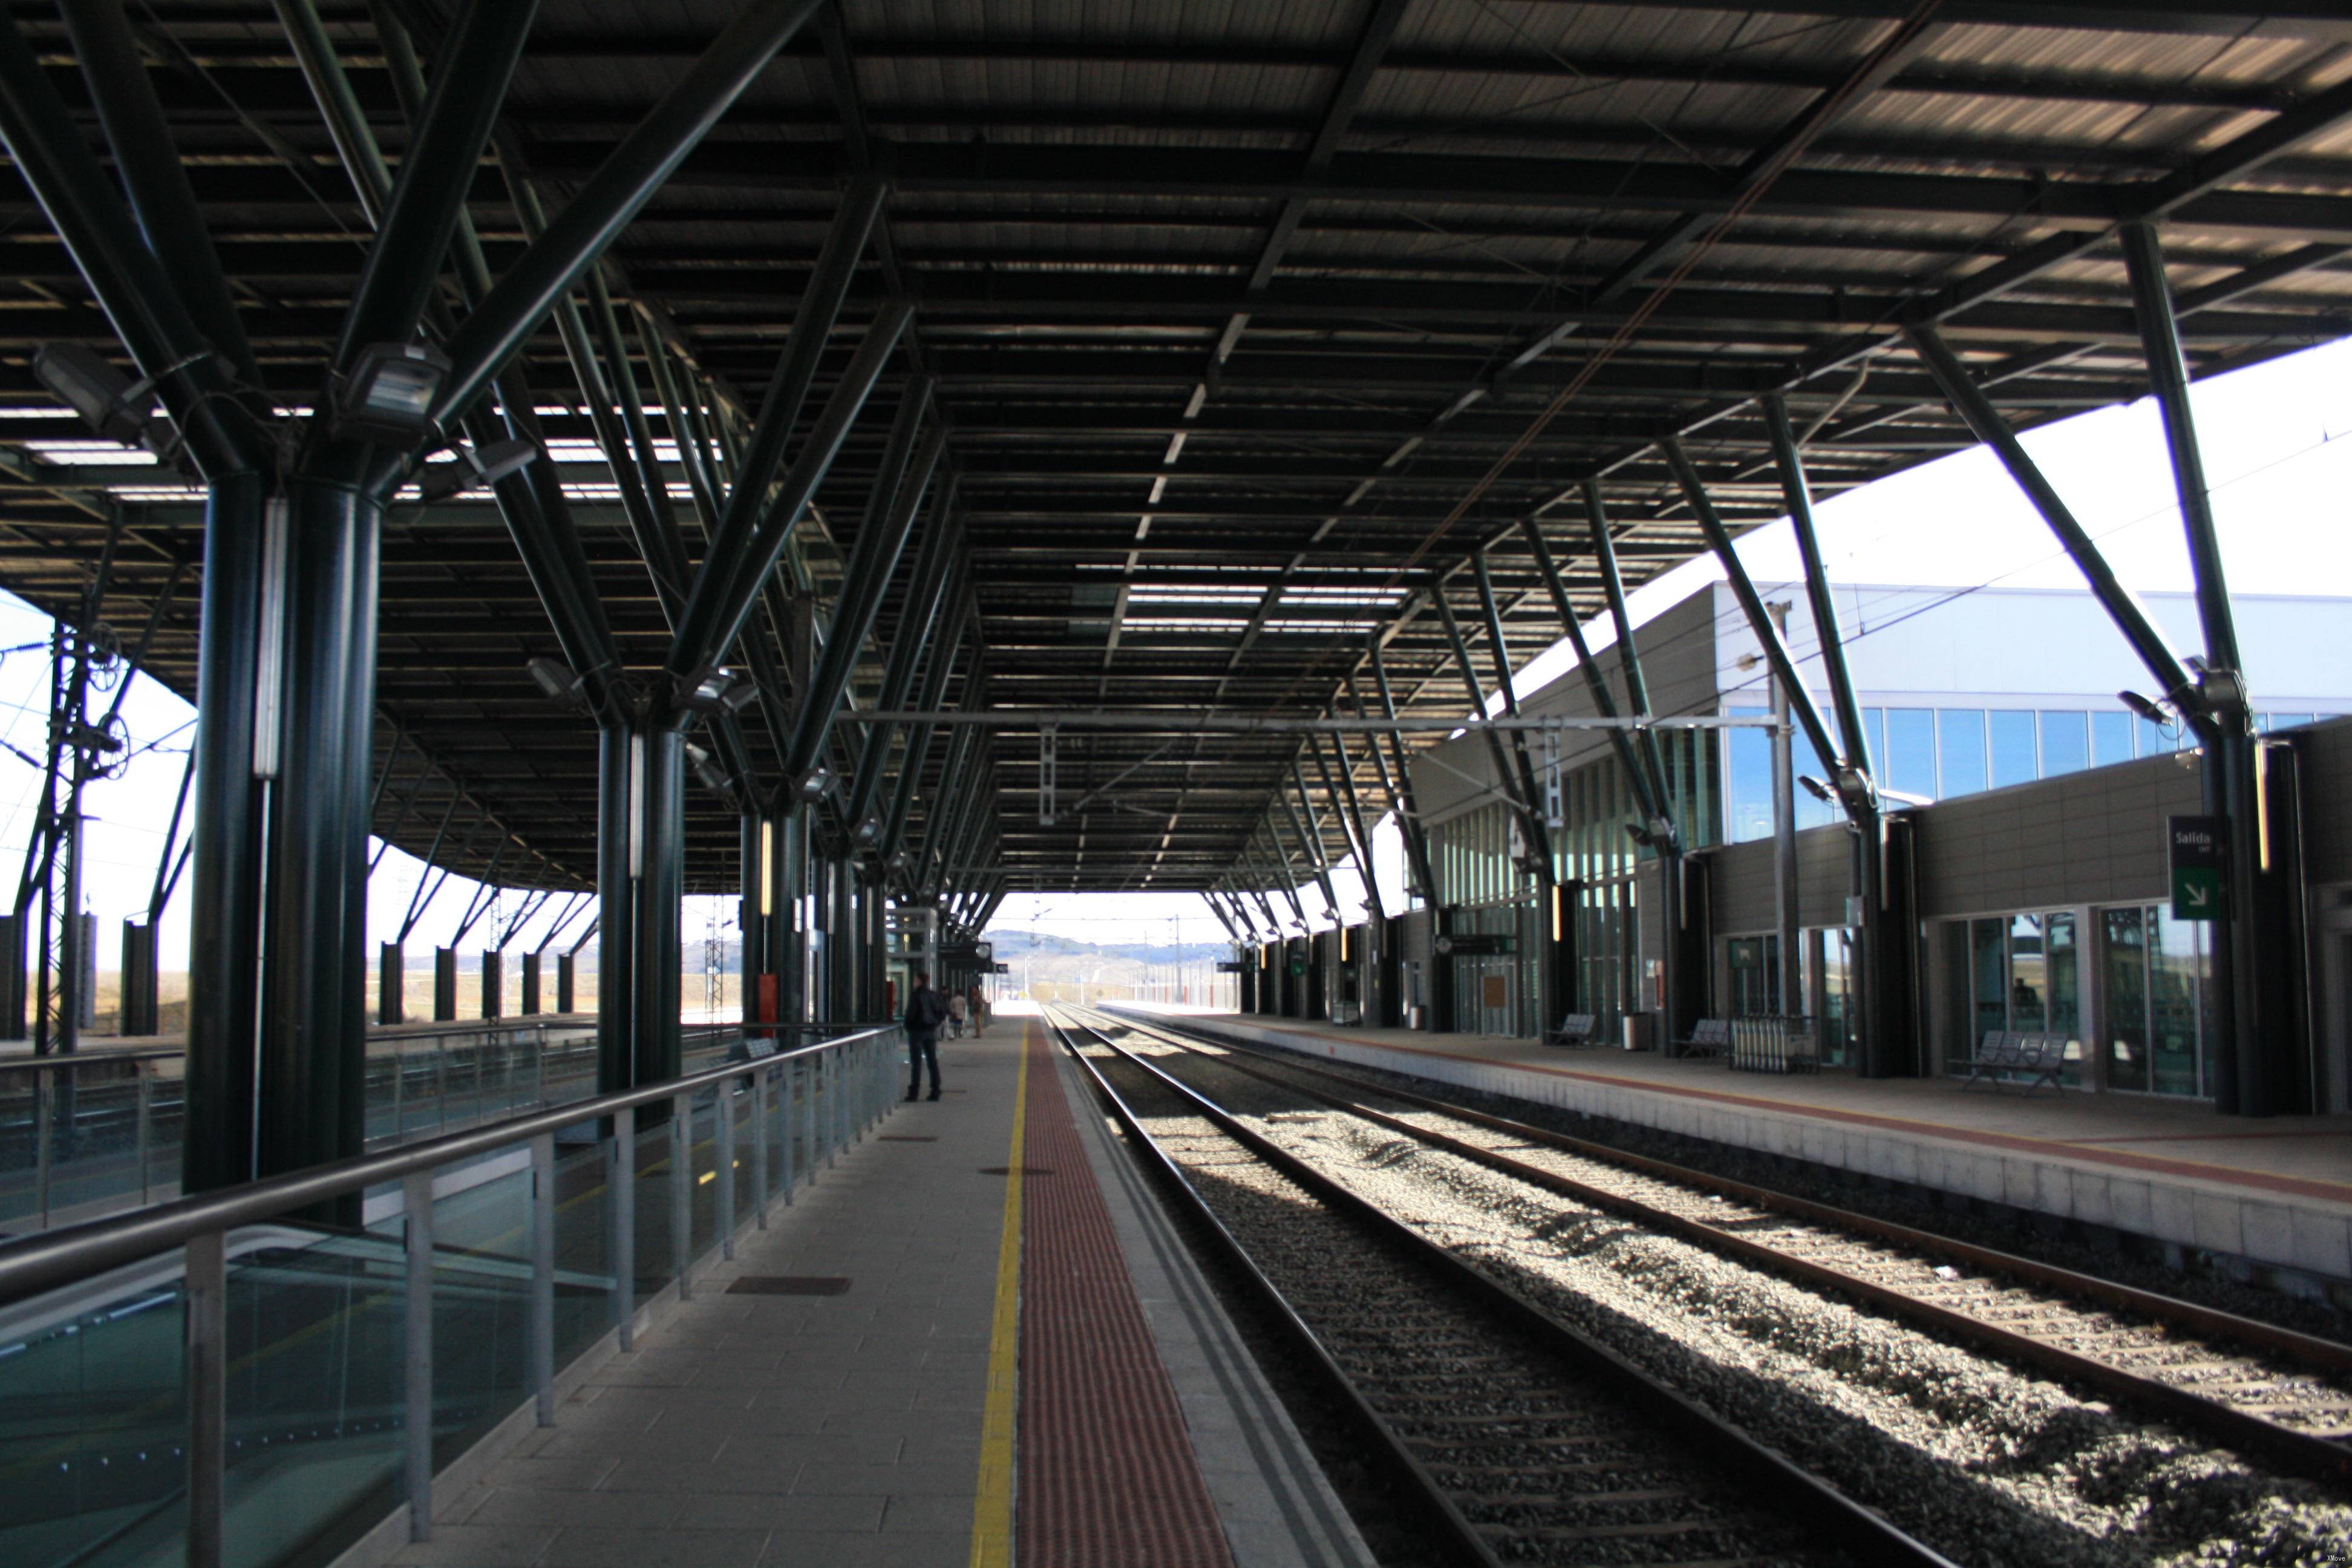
x=1108, y=1476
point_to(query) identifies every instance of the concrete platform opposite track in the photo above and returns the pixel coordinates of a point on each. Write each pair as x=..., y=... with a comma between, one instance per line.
x=879, y=1425
x=2277, y=1192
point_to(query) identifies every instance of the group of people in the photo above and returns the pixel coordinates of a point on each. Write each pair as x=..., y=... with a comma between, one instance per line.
x=927, y=1013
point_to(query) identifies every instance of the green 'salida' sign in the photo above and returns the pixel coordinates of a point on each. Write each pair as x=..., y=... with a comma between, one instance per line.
x=2196, y=859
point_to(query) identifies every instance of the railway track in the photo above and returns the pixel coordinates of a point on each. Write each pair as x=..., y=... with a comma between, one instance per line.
x=1525, y=1439
x=2282, y=1396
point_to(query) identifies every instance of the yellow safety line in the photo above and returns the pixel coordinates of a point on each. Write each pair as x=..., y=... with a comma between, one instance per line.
x=992, y=1510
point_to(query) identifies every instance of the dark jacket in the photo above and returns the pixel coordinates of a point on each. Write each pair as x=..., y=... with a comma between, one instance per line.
x=925, y=1011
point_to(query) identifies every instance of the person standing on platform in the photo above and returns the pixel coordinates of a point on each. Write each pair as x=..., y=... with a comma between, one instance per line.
x=978, y=1012
x=958, y=1010
x=925, y=1013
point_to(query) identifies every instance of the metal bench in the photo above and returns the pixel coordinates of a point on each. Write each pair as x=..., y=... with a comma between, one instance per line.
x=2007, y=1055
x=1576, y=1030
x=1709, y=1037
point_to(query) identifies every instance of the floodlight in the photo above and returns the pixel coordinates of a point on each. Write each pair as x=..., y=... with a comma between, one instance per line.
x=715, y=691
x=387, y=396
x=812, y=785
x=108, y=402
x=868, y=833
x=1640, y=834
x=563, y=685
x=91, y=388
x=2151, y=711
x=475, y=468
x=714, y=777
x=1817, y=789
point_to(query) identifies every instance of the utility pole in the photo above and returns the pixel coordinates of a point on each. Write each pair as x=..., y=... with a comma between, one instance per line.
x=1784, y=835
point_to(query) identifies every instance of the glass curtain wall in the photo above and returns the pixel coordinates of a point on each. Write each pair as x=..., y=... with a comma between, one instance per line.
x=1937, y=753
x=1592, y=852
x=2020, y=973
x=2155, y=1022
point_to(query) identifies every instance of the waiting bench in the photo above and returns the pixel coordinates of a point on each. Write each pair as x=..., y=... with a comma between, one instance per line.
x=2007, y=1055
x=1576, y=1030
x=1711, y=1037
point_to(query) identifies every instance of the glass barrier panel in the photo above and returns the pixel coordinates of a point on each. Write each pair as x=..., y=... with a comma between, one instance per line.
x=702, y=1161
x=584, y=1242
x=93, y=1419
x=654, y=1269
x=316, y=1349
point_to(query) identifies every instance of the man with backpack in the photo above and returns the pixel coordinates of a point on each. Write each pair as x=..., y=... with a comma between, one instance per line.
x=925, y=1013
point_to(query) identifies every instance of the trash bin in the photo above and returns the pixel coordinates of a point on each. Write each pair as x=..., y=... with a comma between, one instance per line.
x=1640, y=1031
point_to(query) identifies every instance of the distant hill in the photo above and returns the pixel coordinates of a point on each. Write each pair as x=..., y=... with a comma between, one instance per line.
x=1061, y=968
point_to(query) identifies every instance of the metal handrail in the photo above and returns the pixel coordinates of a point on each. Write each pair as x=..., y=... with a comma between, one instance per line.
x=75, y=1252
x=848, y=1093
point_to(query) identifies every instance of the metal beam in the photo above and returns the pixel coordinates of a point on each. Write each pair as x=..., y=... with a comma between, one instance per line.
x=2123, y=606
x=1751, y=603
x=864, y=579
x=724, y=590
x=396, y=281
x=154, y=175
x=612, y=196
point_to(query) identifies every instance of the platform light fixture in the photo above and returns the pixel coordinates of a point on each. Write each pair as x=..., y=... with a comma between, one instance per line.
x=113, y=405
x=1817, y=789
x=564, y=686
x=707, y=769
x=386, y=397
x=2145, y=708
x=715, y=690
x=475, y=468
x=811, y=786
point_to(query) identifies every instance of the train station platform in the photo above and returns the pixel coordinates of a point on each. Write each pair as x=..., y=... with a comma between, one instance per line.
x=974, y=1340
x=2277, y=1192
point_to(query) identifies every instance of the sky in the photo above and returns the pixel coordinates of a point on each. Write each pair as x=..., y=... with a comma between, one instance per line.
x=2276, y=456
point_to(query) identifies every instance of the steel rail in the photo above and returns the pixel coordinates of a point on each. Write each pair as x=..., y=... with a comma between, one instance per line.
x=1390, y=1448
x=1790, y=1488
x=2318, y=1458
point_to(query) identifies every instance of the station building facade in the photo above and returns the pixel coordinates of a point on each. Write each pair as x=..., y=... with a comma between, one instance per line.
x=2036, y=804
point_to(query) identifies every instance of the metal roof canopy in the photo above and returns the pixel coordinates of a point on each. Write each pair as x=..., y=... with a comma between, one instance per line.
x=1249, y=329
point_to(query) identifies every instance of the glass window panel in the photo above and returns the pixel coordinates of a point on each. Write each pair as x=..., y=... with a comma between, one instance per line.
x=1989, y=966
x=1959, y=1016
x=2126, y=1013
x=2065, y=744
x=2175, y=981
x=2028, y=974
x=1873, y=730
x=2012, y=736
x=1961, y=747
x=2111, y=739
x=2154, y=738
x=1749, y=787
x=1911, y=751
x=2063, y=962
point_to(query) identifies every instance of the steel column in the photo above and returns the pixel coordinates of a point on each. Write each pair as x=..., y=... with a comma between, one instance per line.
x=2254, y=1029
x=1881, y=1021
